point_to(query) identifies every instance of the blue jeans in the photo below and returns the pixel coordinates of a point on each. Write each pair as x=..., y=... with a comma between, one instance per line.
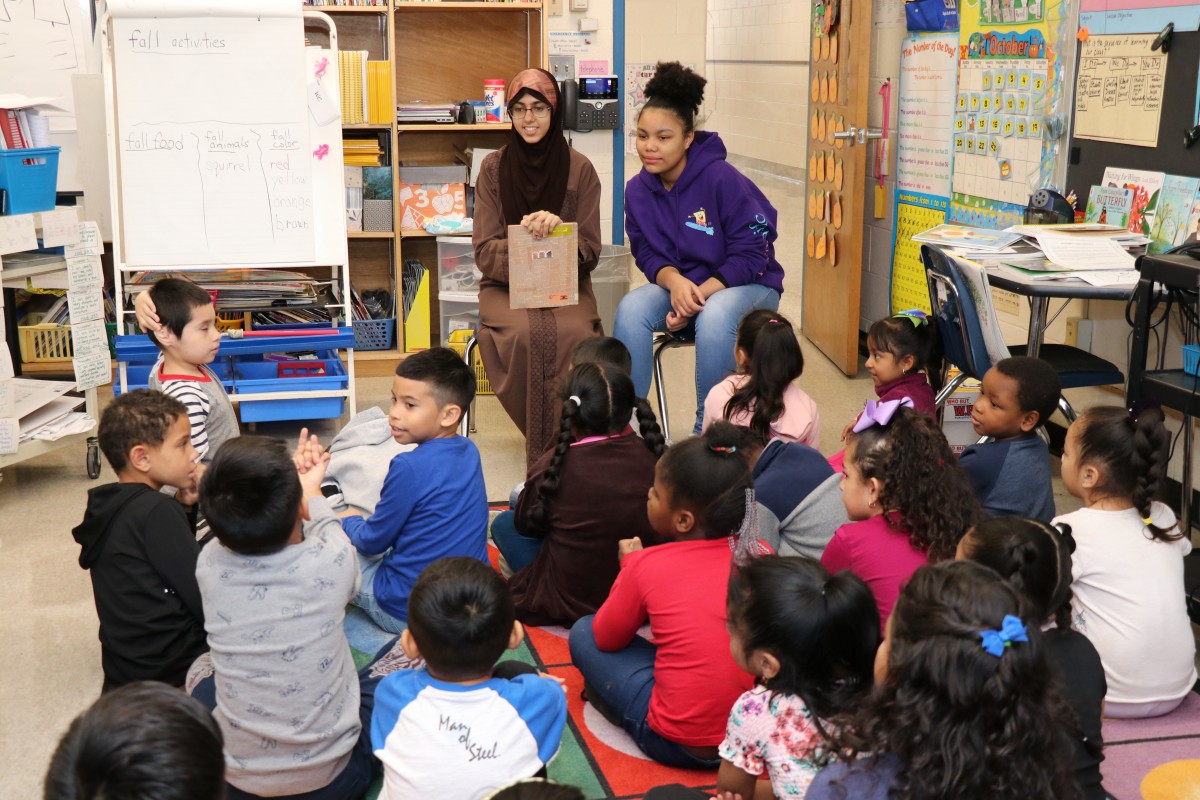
x=518, y=550
x=362, y=768
x=365, y=599
x=619, y=685
x=644, y=311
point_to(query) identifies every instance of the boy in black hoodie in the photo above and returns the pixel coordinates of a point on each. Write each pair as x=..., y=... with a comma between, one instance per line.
x=140, y=544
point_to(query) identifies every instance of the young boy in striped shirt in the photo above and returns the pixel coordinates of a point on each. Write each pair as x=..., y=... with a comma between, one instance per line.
x=188, y=337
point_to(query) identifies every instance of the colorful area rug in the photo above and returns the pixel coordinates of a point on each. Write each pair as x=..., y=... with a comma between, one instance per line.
x=595, y=755
x=1156, y=759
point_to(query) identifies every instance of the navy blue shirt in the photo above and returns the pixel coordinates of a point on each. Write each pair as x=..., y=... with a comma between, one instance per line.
x=1011, y=478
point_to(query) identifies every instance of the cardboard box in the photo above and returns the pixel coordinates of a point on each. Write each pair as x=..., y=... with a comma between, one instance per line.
x=956, y=416
x=419, y=202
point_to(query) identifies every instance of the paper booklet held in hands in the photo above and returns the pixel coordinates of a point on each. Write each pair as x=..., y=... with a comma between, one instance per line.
x=543, y=273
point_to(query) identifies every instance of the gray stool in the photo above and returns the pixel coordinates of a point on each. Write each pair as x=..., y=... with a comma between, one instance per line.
x=662, y=343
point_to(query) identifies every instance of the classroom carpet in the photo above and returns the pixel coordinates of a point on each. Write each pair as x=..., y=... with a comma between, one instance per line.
x=595, y=755
x=1157, y=758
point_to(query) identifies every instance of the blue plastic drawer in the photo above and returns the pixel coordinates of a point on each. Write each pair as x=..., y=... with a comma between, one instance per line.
x=30, y=176
x=138, y=376
x=258, y=377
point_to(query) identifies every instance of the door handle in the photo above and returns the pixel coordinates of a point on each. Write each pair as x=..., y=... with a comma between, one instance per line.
x=859, y=135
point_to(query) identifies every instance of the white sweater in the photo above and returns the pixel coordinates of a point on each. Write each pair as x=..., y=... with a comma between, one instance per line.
x=1129, y=601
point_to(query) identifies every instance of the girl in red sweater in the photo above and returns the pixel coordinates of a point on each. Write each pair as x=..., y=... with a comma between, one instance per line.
x=673, y=695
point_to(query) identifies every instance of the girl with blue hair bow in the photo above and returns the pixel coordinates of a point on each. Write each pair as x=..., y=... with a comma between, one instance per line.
x=965, y=703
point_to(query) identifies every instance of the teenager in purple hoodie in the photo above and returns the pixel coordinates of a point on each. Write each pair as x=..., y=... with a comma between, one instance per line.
x=701, y=231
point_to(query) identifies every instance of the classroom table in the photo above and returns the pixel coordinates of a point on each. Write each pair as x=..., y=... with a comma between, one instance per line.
x=1039, y=294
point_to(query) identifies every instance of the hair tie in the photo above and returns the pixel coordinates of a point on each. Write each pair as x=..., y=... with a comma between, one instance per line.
x=880, y=413
x=1011, y=630
x=723, y=449
x=1147, y=521
x=773, y=321
x=914, y=315
x=1145, y=404
x=575, y=397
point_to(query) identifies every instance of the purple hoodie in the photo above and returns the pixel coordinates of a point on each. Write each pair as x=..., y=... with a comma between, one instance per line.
x=714, y=223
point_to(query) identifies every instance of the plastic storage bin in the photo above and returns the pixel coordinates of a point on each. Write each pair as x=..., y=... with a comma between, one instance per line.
x=374, y=334
x=252, y=375
x=31, y=186
x=456, y=265
x=458, y=343
x=1191, y=359
x=459, y=312
x=47, y=344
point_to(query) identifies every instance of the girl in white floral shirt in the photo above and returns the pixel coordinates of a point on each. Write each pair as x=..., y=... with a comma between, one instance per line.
x=810, y=638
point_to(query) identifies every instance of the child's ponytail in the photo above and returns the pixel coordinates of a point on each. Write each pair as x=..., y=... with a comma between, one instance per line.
x=923, y=484
x=775, y=360
x=709, y=476
x=598, y=401
x=1131, y=448
x=1034, y=557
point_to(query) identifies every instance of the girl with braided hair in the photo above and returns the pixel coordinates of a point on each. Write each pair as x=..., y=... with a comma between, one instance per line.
x=584, y=495
x=1035, y=558
x=964, y=705
x=1127, y=568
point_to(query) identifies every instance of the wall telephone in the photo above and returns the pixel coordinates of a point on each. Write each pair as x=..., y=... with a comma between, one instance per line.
x=592, y=103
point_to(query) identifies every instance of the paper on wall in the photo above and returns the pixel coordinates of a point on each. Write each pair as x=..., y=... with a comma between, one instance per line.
x=92, y=370
x=1119, y=89
x=85, y=305
x=60, y=227
x=17, y=233
x=89, y=337
x=84, y=273
x=89, y=242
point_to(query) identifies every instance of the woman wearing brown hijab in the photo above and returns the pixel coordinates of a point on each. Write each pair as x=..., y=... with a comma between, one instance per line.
x=538, y=181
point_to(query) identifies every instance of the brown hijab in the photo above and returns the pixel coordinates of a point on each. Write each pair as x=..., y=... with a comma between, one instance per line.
x=533, y=177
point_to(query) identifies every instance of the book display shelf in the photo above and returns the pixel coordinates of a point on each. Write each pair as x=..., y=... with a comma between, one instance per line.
x=440, y=52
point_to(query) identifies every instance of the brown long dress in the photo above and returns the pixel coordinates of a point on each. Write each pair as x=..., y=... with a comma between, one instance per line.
x=525, y=351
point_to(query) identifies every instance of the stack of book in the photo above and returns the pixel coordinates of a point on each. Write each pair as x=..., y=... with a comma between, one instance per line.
x=241, y=289
x=362, y=153
x=346, y=2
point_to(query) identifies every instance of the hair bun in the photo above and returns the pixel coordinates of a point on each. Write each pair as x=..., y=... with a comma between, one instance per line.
x=676, y=85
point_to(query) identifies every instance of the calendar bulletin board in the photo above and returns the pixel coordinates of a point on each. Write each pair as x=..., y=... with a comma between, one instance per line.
x=1005, y=135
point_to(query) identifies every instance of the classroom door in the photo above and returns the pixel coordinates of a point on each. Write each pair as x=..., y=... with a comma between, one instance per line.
x=837, y=167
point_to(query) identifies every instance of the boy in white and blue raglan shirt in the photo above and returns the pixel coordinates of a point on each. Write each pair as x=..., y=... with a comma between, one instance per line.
x=463, y=727
x=433, y=503
x=294, y=711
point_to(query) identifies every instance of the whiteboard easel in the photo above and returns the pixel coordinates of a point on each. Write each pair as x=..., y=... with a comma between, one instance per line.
x=276, y=151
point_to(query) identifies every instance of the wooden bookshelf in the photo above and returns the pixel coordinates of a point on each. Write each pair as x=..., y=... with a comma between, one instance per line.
x=515, y=38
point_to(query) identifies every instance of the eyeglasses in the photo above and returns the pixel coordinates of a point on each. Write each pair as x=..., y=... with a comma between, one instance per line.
x=539, y=111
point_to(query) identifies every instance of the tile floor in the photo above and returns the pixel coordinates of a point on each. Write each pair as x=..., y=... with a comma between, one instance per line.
x=51, y=670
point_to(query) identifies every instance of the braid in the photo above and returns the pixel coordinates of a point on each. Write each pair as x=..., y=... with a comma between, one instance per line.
x=1022, y=557
x=1151, y=448
x=652, y=434
x=539, y=514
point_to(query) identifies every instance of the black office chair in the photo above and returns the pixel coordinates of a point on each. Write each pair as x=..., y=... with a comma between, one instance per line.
x=956, y=313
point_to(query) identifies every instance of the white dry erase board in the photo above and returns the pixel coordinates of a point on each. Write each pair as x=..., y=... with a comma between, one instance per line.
x=213, y=137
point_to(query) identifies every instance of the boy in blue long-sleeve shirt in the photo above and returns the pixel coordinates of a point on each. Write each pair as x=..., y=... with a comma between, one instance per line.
x=1011, y=475
x=433, y=503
